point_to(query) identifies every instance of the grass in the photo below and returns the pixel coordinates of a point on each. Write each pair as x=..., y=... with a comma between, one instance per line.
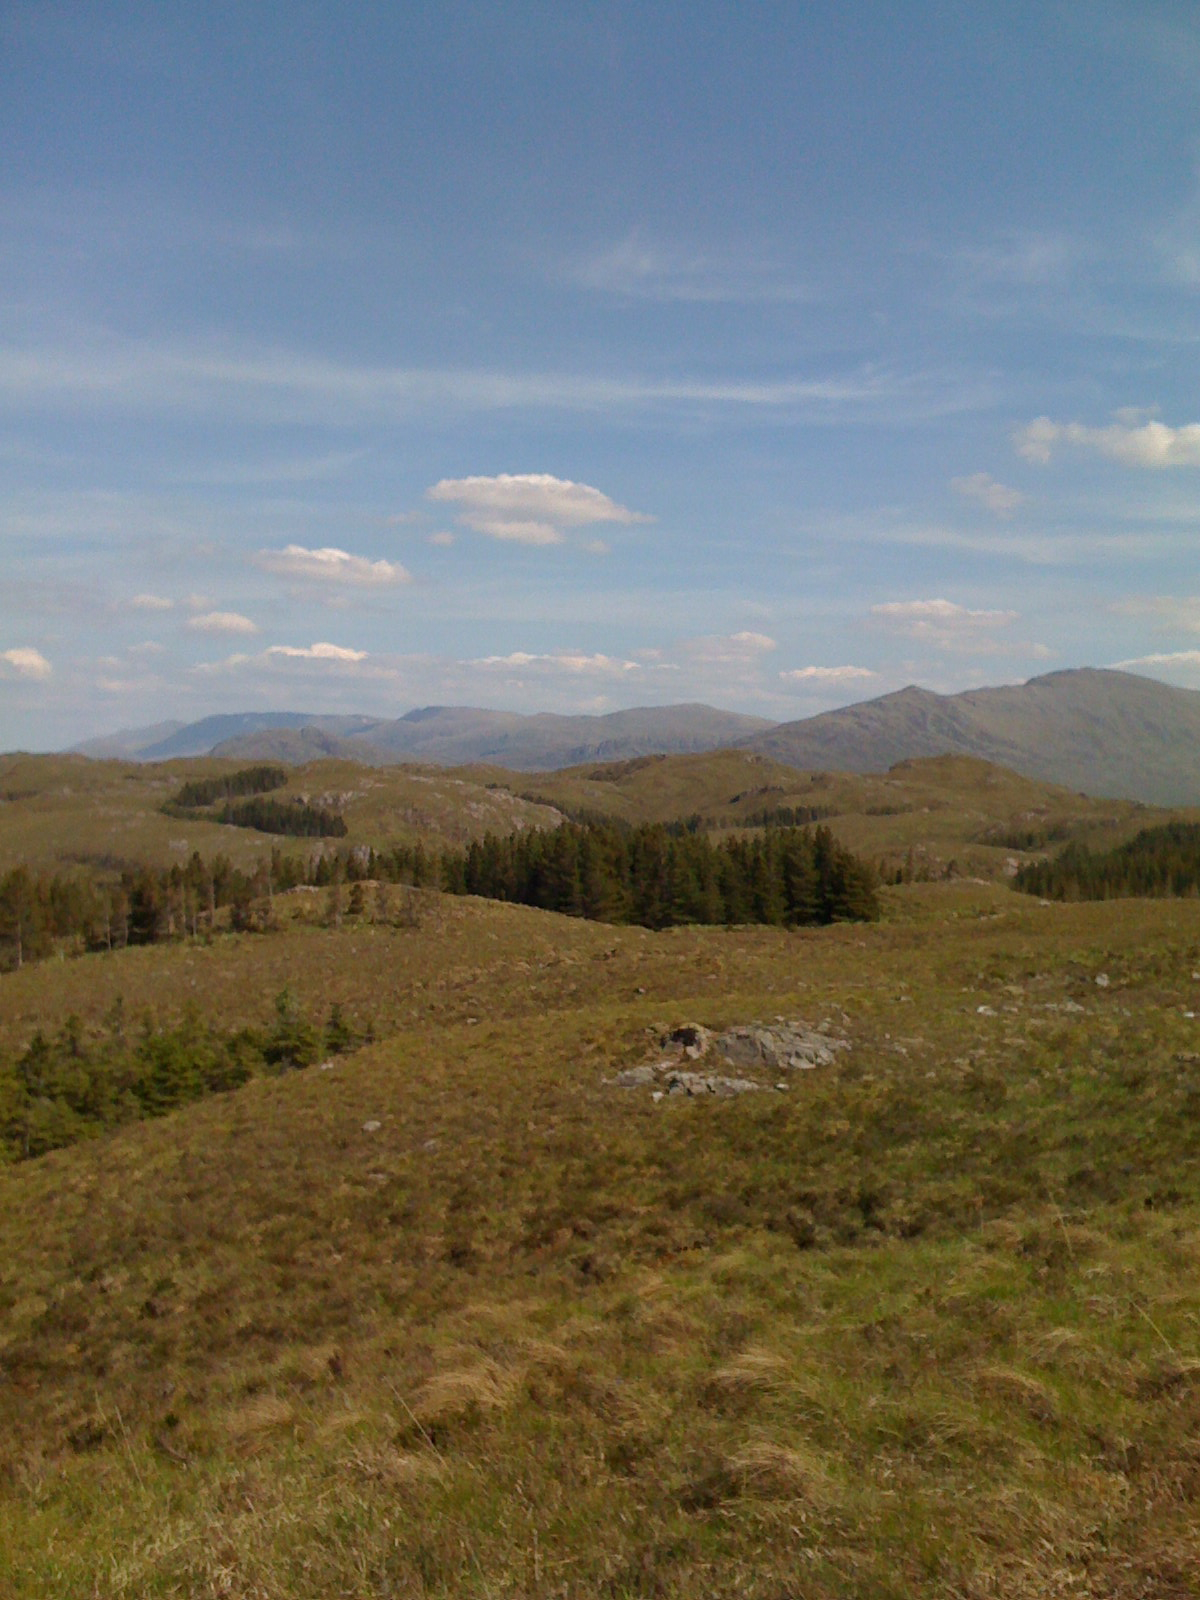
x=57, y=811
x=926, y=1323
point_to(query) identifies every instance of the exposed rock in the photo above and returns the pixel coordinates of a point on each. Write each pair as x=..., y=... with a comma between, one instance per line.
x=691, y=1038
x=781, y=1045
x=372, y=1126
x=769, y=1047
x=697, y=1083
x=637, y=1077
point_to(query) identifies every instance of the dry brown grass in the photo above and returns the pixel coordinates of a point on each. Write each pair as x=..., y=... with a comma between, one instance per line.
x=536, y=1336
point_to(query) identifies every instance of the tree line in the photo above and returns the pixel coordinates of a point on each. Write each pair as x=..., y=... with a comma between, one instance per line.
x=70, y=1085
x=249, y=780
x=660, y=877
x=42, y=912
x=292, y=817
x=1157, y=862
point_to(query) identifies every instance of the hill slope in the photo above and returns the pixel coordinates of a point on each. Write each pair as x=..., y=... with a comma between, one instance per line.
x=1102, y=732
x=457, y=1317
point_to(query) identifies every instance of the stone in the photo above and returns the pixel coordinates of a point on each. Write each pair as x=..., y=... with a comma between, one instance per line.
x=636, y=1077
x=701, y=1083
x=691, y=1038
x=787, y=1045
x=373, y=1126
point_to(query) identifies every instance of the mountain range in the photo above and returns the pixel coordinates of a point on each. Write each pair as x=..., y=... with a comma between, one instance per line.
x=1098, y=731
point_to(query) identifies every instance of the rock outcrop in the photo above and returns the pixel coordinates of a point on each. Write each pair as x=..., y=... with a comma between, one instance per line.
x=775, y=1047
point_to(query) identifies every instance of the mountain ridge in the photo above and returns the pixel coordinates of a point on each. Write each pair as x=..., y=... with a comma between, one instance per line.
x=1096, y=730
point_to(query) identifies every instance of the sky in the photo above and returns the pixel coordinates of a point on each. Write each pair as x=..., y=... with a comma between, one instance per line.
x=575, y=356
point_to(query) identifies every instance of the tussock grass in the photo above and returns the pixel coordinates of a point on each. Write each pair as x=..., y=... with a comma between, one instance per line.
x=535, y=1335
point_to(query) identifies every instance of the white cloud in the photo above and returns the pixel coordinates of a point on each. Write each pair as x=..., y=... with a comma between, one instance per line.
x=826, y=674
x=443, y=539
x=27, y=662
x=317, y=652
x=222, y=622
x=996, y=497
x=529, y=507
x=151, y=602
x=1148, y=444
x=943, y=624
x=572, y=661
x=330, y=565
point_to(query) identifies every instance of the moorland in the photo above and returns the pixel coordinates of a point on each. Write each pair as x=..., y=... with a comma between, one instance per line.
x=435, y=1292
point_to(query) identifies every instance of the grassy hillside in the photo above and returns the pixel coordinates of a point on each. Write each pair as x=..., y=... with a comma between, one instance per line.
x=458, y=1317
x=59, y=810
x=942, y=809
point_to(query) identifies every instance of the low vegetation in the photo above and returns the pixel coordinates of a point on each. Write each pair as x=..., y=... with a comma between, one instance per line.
x=76, y=1084
x=459, y=1316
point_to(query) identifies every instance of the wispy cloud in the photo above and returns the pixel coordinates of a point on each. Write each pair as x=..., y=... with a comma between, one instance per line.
x=943, y=624
x=1169, y=612
x=25, y=662
x=1167, y=658
x=150, y=602
x=637, y=268
x=984, y=489
x=277, y=387
x=529, y=507
x=330, y=565
x=222, y=622
x=1024, y=260
x=1149, y=444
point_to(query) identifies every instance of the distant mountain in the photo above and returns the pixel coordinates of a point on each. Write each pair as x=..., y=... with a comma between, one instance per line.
x=165, y=741
x=442, y=736
x=125, y=744
x=1099, y=732
x=460, y=735
x=295, y=747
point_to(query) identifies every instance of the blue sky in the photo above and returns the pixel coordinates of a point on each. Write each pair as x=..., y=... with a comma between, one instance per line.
x=577, y=356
